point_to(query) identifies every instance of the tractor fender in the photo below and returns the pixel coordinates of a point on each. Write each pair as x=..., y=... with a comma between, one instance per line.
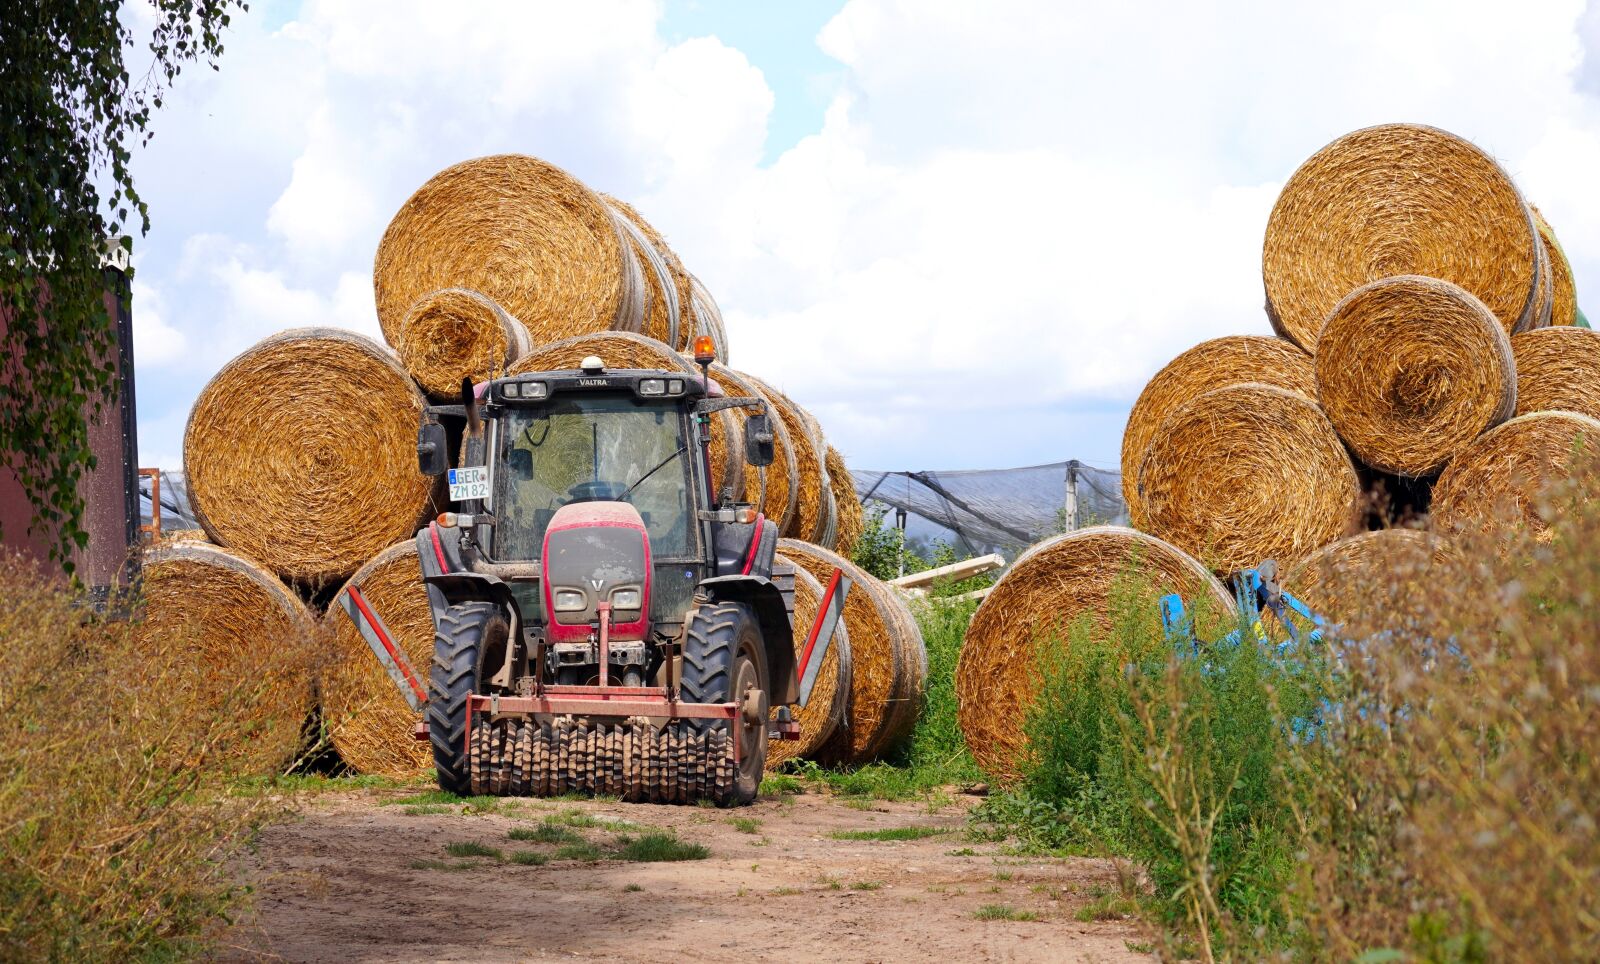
x=452, y=588
x=766, y=601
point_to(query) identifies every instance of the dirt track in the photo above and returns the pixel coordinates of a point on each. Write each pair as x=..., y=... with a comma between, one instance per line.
x=342, y=882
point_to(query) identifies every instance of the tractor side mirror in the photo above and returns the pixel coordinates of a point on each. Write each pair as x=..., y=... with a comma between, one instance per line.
x=758, y=450
x=432, y=449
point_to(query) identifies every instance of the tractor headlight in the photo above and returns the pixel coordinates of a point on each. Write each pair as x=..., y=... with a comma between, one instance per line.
x=535, y=390
x=625, y=599
x=570, y=600
x=652, y=386
x=511, y=390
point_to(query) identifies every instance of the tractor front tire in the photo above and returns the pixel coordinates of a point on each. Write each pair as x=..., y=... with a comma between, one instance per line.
x=723, y=657
x=464, y=632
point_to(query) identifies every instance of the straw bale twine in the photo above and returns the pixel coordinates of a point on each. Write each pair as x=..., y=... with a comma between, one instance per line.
x=1045, y=593
x=301, y=453
x=1558, y=369
x=1499, y=479
x=368, y=720
x=619, y=349
x=1410, y=369
x=668, y=281
x=1563, y=292
x=1246, y=473
x=771, y=488
x=851, y=516
x=830, y=696
x=457, y=333
x=1211, y=364
x=1333, y=581
x=708, y=318
x=524, y=233
x=810, y=521
x=887, y=665
x=238, y=622
x=1390, y=200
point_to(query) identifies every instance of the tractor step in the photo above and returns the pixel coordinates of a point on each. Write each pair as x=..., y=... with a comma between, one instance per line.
x=633, y=759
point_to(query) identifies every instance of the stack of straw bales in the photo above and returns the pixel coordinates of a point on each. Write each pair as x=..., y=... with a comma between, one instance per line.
x=301, y=451
x=1426, y=375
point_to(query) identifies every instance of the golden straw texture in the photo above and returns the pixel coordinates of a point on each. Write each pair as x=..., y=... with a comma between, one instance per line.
x=811, y=517
x=1410, y=369
x=708, y=318
x=1563, y=293
x=1332, y=580
x=1248, y=473
x=454, y=334
x=522, y=232
x=1558, y=369
x=851, y=516
x=780, y=498
x=1497, y=481
x=681, y=324
x=885, y=684
x=663, y=312
x=1211, y=364
x=368, y=720
x=830, y=696
x=1080, y=576
x=620, y=350
x=239, y=622
x=1391, y=200
x=301, y=454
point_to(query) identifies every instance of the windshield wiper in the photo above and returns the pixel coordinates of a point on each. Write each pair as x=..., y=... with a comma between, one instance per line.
x=659, y=466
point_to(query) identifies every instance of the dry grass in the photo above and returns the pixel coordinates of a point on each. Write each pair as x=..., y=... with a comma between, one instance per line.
x=1391, y=200
x=1558, y=370
x=852, y=519
x=455, y=333
x=1049, y=589
x=661, y=315
x=770, y=489
x=1217, y=363
x=114, y=819
x=301, y=454
x=830, y=696
x=1563, y=293
x=1410, y=370
x=813, y=511
x=1499, y=479
x=368, y=721
x=1247, y=473
x=679, y=319
x=522, y=232
x=1318, y=578
x=708, y=318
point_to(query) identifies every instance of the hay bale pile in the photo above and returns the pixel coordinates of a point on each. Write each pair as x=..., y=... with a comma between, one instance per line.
x=1420, y=302
x=301, y=452
x=829, y=705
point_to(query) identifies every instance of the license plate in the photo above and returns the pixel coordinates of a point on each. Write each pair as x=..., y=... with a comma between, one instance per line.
x=469, y=483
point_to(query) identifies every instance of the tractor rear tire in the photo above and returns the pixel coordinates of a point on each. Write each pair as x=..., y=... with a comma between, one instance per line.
x=464, y=632
x=723, y=656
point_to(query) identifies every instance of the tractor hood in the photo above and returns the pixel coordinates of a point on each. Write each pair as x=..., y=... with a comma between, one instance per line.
x=596, y=553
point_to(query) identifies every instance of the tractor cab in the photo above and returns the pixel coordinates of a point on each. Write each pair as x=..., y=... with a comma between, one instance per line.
x=589, y=577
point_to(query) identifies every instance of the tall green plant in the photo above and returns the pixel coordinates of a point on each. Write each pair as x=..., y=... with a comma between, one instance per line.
x=72, y=115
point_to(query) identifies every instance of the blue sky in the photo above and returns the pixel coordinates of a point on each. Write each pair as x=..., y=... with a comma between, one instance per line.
x=963, y=235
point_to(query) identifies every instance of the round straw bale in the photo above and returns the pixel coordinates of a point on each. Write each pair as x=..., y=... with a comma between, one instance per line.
x=1210, y=364
x=770, y=489
x=668, y=283
x=1335, y=580
x=619, y=349
x=1082, y=575
x=1563, y=293
x=522, y=232
x=237, y=622
x=1410, y=369
x=809, y=521
x=456, y=333
x=1247, y=473
x=708, y=318
x=368, y=720
x=1499, y=479
x=883, y=674
x=852, y=517
x=1390, y=200
x=301, y=453
x=1558, y=369
x=830, y=696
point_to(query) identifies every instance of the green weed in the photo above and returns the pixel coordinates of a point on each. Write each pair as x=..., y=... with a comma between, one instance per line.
x=653, y=847
x=529, y=857
x=889, y=833
x=1003, y=912
x=471, y=848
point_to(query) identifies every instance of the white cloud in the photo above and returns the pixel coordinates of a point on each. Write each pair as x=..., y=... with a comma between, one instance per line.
x=1014, y=212
x=154, y=341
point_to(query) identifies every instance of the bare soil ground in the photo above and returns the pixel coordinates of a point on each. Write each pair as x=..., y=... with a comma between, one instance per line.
x=364, y=877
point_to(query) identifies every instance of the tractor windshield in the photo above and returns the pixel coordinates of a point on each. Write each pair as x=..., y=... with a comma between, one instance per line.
x=585, y=448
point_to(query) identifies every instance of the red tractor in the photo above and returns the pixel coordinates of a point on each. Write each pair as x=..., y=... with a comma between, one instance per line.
x=603, y=623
